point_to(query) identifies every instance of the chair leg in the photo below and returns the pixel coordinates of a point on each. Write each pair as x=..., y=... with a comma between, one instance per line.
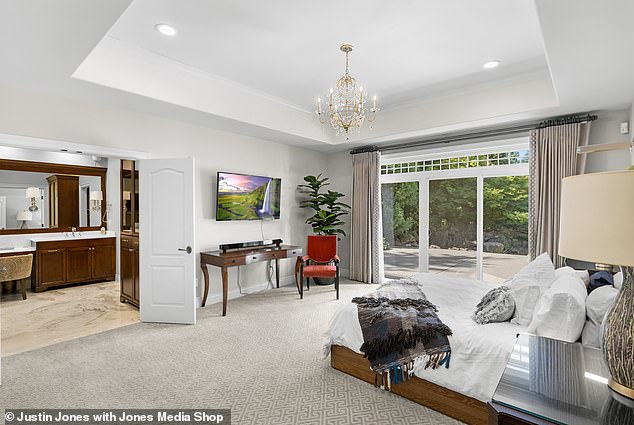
x=298, y=266
x=308, y=284
x=337, y=282
x=301, y=281
x=23, y=287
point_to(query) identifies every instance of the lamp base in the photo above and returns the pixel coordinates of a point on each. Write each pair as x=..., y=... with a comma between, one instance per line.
x=618, y=338
x=621, y=389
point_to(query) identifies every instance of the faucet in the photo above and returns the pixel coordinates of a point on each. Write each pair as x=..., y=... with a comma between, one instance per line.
x=73, y=229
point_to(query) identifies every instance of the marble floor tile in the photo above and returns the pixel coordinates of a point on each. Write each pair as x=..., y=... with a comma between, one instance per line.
x=58, y=315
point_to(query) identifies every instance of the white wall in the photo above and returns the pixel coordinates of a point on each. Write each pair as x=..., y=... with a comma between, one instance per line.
x=39, y=115
x=606, y=130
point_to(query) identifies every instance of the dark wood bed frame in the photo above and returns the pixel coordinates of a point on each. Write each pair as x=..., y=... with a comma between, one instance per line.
x=448, y=402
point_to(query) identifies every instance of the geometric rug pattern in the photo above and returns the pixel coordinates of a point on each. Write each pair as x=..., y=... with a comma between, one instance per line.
x=263, y=361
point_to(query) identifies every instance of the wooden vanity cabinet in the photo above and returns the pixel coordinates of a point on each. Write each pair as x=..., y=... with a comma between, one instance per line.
x=64, y=190
x=74, y=261
x=130, y=269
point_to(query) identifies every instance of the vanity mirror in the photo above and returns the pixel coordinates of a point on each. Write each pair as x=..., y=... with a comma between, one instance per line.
x=45, y=197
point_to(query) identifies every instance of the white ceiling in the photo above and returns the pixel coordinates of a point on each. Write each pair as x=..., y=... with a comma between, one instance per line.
x=255, y=68
x=290, y=49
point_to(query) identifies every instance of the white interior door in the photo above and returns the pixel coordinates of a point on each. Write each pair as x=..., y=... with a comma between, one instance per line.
x=167, y=262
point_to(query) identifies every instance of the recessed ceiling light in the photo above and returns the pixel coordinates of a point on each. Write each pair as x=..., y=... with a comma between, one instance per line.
x=166, y=29
x=491, y=64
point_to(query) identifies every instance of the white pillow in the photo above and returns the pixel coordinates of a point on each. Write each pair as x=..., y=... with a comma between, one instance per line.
x=590, y=335
x=561, y=311
x=528, y=285
x=599, y=301
x=583, y=274
x=401, y=288
x=597, y=305
x=618, y=280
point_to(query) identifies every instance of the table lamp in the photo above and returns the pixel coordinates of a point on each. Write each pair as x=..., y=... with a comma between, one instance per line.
x=33, y=193
x=95, y=199
x=597, y=225
x=24, y=216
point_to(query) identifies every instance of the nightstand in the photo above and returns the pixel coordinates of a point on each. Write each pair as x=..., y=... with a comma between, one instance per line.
x=554, y=382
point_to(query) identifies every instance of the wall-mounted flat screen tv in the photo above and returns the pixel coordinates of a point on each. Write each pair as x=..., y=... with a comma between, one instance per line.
x=245, y=197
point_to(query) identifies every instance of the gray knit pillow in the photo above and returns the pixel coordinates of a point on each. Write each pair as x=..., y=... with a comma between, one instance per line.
x=497, y=305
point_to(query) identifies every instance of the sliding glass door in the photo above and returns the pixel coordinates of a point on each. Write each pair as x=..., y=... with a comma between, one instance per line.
x=465, y=215
x=400, y=228
x=453, y=226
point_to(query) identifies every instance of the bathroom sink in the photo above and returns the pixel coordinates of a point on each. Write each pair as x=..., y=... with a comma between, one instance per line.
x=6, y=248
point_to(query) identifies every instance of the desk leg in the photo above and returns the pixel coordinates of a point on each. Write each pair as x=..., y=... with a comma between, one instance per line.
x=277, y=272
x=225, y=290
x=206, y=276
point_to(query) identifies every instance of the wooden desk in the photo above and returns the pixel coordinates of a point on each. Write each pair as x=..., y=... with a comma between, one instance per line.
x=224, y=260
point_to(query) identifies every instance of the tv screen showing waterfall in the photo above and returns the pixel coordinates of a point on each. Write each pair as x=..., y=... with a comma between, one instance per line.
x=245, y=197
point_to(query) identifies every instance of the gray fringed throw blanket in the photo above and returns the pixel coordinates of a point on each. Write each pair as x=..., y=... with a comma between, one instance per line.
x=398, y=331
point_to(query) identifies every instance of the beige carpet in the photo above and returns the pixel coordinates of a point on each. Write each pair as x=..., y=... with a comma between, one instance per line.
x=263, y=361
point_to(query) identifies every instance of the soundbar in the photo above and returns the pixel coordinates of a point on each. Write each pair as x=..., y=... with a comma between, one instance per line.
x=253, y=244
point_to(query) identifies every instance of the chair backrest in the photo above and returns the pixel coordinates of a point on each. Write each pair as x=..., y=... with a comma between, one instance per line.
x=321, y=248
x=15, y=267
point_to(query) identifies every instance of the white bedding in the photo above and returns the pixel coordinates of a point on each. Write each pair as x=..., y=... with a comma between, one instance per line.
x=478, y=352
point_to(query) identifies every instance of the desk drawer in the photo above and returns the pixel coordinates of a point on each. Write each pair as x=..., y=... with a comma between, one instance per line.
x=257, y=257
x=233, y=261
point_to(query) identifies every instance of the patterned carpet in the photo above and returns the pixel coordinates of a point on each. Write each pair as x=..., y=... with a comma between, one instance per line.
x=263, y=361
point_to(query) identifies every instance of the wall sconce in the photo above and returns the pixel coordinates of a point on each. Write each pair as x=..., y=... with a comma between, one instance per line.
x=24, y=216
x=33, y=193
x=95, y=199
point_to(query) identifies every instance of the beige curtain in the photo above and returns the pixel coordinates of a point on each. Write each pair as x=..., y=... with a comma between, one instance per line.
x=553, y=153
x=366, y=249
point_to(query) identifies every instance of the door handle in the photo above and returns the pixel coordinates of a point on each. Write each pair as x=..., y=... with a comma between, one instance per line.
x=187, y=250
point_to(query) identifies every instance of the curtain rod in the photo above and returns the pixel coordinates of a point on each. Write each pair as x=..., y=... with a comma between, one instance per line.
x=567, y=119
x=496, y=132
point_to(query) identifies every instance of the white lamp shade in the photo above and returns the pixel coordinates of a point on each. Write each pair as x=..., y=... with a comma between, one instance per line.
x=24, y=216
x=32, y=192
x=95, y=195
x=597, y=218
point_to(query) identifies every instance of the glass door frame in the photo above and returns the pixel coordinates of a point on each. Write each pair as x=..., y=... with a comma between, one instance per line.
x=480, y=173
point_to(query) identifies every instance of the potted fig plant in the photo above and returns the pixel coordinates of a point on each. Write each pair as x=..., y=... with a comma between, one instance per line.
x=327, y=210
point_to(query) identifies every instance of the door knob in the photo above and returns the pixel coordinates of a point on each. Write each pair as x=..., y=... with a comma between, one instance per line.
x=187, y=250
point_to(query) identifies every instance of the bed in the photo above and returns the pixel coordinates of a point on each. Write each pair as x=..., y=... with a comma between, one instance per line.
x=479, y=353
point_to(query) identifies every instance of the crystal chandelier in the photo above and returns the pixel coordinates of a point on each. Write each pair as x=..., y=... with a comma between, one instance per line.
x=346, y=104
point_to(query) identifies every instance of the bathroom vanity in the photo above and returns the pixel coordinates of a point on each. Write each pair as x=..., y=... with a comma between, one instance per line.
x=57, y=210
x=64, y=260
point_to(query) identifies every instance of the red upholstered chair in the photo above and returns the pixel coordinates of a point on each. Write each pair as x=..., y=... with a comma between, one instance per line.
x=320, y=261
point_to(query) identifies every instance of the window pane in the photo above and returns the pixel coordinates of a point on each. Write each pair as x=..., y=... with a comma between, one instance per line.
x=452, y=226
x=505, y=227
x=400, y=228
